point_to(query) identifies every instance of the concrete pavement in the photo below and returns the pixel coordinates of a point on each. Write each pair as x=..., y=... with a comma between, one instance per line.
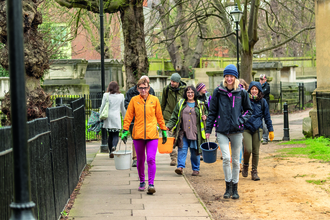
x=108, y=193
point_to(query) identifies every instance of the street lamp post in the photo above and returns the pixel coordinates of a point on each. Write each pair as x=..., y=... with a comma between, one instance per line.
x=104, y=144
x=22, y=205
x=237, y=15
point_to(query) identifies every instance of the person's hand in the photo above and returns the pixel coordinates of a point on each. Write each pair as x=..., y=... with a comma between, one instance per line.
x=168, y=128
x=207, y=135
x=204, y=117
x=271, y=135
x=124, y=136
x=164, y=133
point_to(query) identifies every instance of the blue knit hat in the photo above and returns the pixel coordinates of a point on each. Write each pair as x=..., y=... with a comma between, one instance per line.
x=230, y=70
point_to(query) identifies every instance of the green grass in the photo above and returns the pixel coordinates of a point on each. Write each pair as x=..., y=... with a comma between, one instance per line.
x=317, y=148
x=317, y=182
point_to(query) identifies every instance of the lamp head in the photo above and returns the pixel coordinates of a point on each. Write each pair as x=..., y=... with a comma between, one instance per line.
x=236, y=13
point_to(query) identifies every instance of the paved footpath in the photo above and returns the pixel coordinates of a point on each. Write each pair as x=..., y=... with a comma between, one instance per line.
x=108, y=193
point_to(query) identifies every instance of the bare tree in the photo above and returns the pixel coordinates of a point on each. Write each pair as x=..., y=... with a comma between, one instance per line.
x=132, y=19
x=180, y=32
x=249, y=25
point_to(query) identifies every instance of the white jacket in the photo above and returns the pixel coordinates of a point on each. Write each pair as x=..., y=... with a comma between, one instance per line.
x=116, y=105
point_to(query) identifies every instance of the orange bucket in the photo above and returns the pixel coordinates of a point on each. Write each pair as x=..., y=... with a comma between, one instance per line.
x=166, y=148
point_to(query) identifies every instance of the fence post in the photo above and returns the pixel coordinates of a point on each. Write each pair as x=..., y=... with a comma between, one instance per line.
x=286, y=129
x=299, y=92
x=303, y=96
x=281, y=95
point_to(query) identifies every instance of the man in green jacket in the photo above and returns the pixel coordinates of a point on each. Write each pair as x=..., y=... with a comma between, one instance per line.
x=172, y=93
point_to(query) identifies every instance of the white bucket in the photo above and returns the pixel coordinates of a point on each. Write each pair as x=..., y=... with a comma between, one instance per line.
x=122, y=159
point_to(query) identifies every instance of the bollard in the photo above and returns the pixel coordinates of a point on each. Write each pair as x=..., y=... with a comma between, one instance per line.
x=286, y=129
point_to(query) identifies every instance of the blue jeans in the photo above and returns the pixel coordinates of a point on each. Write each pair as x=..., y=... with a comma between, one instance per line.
x=182, y=155
x=236, y=146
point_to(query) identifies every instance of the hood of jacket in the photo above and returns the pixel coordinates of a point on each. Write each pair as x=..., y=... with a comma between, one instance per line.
x=257, y=84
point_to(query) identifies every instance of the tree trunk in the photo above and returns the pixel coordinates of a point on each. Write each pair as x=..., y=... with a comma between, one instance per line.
x=246, y=66
x=135, y=55
x=36, y=60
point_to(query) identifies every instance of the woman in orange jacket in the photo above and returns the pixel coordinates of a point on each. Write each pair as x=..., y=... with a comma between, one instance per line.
x=147, y=112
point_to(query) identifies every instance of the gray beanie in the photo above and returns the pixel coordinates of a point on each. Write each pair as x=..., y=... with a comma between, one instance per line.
x=176, y=77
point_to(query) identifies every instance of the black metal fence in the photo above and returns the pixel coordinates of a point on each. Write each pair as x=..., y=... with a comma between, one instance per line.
x=323, y=113
x=57, y=152
x=296, y=95
x=92, y=103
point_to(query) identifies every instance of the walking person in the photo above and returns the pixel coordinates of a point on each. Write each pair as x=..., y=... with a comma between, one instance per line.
x=227, y=103
x=243, y=84
x=253, y=129
x=172, y=93
x=133, y=91
x=147, y=112
x=187, y=121
x=203, y=95
x=113, y=123
x=266, y=91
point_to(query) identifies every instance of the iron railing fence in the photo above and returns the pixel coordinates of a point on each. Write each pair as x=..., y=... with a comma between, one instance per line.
x=296, y=94
x=57, y=151
x=323, y=113
x=92, y=103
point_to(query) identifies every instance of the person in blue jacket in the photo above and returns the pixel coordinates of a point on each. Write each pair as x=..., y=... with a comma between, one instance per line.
x=227, y=103
x=253, y=129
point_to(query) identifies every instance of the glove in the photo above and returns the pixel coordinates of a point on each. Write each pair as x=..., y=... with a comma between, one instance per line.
x=164, y=136
x=271, y=135
x=124, y=136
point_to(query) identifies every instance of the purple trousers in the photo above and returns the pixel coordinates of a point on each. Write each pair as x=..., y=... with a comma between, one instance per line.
x=149, y=146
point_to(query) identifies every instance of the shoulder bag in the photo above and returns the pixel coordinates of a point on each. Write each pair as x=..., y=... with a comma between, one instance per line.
x=105, y=112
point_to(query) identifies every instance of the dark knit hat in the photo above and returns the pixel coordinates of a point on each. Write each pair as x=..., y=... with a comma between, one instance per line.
x=176, y=77
x=230, y=70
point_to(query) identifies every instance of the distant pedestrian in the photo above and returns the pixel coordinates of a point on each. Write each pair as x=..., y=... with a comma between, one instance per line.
x=226, y=107
x=253, y=129
x=133, y=91
x=243, y=84
x=266, y=91
x=172, y=93
x=113, y=123
x=147, y=112
x=203, y=95
x=187, y=120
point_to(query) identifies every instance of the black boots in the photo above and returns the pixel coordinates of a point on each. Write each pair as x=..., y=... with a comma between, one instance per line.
x=229, y=190
x=235, y=193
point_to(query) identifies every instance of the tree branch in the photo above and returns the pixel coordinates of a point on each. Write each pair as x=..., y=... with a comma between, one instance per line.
x=112, y=6
x=284, y=42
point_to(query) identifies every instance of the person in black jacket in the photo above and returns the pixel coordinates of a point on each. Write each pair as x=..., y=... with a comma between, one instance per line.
x=231, y=108
x=133, y=91
x=253, y=129
x=265, y=92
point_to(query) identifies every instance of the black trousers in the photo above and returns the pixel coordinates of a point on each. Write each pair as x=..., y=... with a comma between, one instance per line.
x=113, y=139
